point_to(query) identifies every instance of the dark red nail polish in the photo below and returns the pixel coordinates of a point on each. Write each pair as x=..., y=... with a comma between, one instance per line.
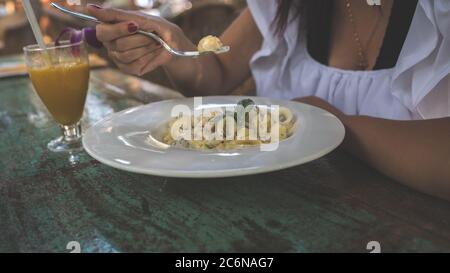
x=95, y=6
x=132, y=28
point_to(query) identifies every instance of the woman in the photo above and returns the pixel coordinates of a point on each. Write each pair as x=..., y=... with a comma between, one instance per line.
x=382, y=70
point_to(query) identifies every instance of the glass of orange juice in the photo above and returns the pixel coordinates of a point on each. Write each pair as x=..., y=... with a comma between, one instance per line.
x=60, y=77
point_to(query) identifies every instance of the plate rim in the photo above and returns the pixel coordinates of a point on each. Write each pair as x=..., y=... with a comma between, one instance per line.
x=214, y=173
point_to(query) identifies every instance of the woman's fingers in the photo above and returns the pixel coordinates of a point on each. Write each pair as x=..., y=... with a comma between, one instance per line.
x=111, y=32
x=159, y=60
x=120, y=23
x=134, y=53
x=131, y=42
x=110, y=15
x=137, y=66
x=129, y=56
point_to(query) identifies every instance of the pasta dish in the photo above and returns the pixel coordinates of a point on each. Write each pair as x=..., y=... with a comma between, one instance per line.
x=247, y=125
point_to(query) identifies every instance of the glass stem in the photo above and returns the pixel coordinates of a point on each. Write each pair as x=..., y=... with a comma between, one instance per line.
x=71, y=133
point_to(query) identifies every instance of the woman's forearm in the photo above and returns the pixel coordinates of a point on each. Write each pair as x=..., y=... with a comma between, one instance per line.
x=219, y=74
x=416, y=153
x=196, y=77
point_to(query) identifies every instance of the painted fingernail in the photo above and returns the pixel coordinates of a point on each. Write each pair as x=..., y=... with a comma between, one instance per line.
x=132, y=28
x=95, y=6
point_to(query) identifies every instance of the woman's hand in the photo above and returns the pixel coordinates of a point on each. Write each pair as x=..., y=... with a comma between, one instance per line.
x=133, y=53
x=209, y=75
x=318, y=102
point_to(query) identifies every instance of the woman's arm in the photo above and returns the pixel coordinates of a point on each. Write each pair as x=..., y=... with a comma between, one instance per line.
x=416, y=153
x=220, y=74
x=206, y=75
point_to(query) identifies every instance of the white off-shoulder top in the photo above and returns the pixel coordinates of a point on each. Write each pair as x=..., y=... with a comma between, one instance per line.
x=418, y=87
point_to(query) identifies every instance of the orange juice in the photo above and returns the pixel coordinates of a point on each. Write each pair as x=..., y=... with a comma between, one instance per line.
x=63, y=89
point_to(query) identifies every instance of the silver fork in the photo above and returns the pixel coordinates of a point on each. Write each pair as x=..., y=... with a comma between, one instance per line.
x=179, y=53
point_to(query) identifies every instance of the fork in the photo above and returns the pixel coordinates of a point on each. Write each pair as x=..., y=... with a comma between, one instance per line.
x=179, y=53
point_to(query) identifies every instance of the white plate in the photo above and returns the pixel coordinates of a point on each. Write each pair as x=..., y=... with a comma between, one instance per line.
x=120, y=142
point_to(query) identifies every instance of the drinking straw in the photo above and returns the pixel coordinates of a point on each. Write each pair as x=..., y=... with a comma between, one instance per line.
x=35, y=27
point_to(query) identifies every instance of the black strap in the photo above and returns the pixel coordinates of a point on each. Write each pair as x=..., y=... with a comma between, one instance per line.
x=399, y=23
x=319, y=15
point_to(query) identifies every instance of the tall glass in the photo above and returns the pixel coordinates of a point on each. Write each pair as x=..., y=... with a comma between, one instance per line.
x=60, y=76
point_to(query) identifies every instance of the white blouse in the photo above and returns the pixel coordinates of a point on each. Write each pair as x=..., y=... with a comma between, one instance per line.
x=418, y=87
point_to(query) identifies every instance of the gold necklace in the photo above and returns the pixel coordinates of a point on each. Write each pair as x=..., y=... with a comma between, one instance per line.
x=362, y=51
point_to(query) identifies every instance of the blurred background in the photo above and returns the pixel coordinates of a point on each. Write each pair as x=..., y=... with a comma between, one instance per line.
x=197, y=18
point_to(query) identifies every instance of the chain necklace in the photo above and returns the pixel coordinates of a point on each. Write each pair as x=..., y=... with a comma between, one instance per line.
x=362, y=50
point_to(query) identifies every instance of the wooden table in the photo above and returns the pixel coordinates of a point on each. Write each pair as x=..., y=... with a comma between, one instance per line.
x=335, y=203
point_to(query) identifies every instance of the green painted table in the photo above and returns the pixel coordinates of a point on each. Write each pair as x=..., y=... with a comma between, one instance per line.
x=332, y=204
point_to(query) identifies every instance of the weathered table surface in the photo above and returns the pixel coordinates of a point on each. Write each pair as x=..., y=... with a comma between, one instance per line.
x=332, y=204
